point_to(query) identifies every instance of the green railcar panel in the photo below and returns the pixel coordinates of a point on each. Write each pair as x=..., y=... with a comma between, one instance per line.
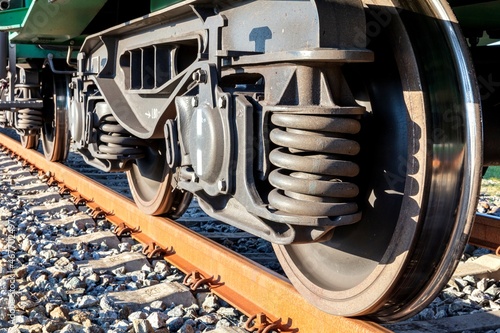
x=56, y=22
x=12, y=19
x=160, y=4
x=26, y=51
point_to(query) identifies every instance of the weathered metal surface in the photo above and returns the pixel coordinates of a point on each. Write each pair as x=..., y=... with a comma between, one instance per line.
x=486, y=232
x=250, y=288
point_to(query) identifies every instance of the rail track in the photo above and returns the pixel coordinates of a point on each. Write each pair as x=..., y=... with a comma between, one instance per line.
x=253, y=289
x=486, y=232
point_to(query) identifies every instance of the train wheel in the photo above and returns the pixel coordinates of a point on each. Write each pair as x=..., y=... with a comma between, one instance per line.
x=150, y=180
x=420, y=164
x=55, y=129
x=29, y=141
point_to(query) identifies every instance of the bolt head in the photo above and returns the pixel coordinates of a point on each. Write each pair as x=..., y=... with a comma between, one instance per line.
x=203, y=76
x=199, y=76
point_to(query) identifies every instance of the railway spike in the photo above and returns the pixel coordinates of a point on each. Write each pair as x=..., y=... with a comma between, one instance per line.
x=195, y=280
x=78, y=199
x=63, y=190
x=261, y=323
x=152, y=250
x=122, y=229
x=97, y=212
x=52, y=181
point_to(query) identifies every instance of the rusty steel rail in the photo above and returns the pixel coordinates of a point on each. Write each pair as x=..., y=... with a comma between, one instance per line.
x=486, y=232
x=251, y=288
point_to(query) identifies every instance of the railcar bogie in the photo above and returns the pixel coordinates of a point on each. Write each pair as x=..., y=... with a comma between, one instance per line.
x=348, y=133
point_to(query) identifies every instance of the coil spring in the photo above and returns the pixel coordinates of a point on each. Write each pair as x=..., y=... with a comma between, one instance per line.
x=310, y=161
x=115, y=142
x=29, y=119
x=3, y=119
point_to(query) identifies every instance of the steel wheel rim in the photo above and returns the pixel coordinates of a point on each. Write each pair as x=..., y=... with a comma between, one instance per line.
x=150, y=182
x=55, y=129
x=29, y=141
x=381, y=287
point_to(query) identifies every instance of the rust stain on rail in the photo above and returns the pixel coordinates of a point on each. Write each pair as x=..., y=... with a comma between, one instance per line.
x=250, y=287
x=486, y=232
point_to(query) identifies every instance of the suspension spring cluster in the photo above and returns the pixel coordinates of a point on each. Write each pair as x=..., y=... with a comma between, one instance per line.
x=313, y=162
x=29, y=119
x=116, y=143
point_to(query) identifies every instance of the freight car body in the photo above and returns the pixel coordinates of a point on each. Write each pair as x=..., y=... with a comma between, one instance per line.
x=346, y=132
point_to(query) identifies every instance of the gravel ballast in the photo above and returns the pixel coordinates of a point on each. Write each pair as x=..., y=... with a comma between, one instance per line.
x=54, y=275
